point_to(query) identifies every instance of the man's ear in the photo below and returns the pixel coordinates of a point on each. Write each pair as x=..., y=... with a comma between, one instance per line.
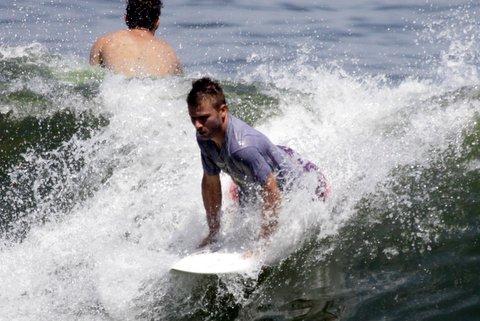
x=223, y=111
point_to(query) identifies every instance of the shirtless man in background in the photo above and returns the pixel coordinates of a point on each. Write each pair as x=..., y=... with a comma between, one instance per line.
x=136, y=51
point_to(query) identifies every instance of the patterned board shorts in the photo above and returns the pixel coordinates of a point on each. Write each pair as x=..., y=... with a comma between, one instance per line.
x=322, y=191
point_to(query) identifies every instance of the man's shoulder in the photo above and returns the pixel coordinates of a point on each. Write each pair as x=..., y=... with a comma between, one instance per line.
x=240, y=128
x=108, y=37
x=98, y=47
x=117, y=35
x=246, y=136
x=162, y=42
x=165, y=47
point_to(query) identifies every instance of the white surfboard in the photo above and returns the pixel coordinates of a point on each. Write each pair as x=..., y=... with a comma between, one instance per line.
x=215, y=263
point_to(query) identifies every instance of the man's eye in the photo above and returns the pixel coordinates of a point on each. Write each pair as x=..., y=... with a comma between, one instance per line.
x=201, y=119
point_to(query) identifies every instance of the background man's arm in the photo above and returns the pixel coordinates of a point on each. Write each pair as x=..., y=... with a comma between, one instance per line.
x=174, y=62
x=271, y=203
x=178, y=68
x=96, y=52
x=212, y=200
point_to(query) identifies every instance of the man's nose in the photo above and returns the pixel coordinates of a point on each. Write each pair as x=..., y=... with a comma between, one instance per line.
x=197, y=124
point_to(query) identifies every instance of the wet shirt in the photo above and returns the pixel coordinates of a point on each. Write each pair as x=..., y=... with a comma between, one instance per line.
x=247, y=156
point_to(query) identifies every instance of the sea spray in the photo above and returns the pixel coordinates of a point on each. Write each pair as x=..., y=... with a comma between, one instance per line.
x=117, y=198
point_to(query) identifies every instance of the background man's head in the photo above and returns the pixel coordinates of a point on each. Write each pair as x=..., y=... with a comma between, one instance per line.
x=206, y=90
x=143, y=14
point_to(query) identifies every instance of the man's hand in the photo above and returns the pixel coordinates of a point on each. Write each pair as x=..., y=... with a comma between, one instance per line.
x=211, y=238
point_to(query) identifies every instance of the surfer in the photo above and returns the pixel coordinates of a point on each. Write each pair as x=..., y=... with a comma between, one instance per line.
x=136, y=51
x=260, y=169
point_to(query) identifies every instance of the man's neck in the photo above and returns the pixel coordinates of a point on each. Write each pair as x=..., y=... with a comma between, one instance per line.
x=143, y=31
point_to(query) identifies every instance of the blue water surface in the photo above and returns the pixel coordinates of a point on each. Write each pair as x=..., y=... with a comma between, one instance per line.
x=394, y=38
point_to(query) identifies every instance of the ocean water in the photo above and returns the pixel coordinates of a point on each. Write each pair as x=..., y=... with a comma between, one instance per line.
x=100, y=175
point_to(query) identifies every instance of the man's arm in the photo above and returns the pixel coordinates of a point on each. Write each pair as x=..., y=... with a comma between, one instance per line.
x=96, y=52
x=271, y=203
x=262, y=173
x=175, y=64
x=212, y=200
x=178, y=68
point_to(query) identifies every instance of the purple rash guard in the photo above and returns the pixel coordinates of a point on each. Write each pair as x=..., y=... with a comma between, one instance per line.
x=249, y=157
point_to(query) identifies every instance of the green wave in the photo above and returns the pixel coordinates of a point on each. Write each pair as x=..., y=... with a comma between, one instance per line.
x=38, y=136
x=416, y=240
x=250, y=102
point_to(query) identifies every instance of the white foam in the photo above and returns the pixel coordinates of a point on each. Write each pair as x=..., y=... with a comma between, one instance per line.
x=94, y=261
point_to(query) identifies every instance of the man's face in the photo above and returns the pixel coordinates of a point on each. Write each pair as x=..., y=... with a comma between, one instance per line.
x=207, y=120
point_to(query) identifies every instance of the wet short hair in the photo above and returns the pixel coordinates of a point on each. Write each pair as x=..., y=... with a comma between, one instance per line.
x=206, y=89
x=143, y=13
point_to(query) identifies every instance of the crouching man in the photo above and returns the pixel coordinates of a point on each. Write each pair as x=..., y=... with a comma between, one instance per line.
x=256, y=166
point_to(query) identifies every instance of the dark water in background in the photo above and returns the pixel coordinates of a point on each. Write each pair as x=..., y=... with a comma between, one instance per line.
x=99, y=175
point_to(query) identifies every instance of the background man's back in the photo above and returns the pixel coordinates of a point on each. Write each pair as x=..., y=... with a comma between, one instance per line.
x=136, y=51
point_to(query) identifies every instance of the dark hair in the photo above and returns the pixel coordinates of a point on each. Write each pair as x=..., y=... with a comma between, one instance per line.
x=206, y=88
x=143, y=13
